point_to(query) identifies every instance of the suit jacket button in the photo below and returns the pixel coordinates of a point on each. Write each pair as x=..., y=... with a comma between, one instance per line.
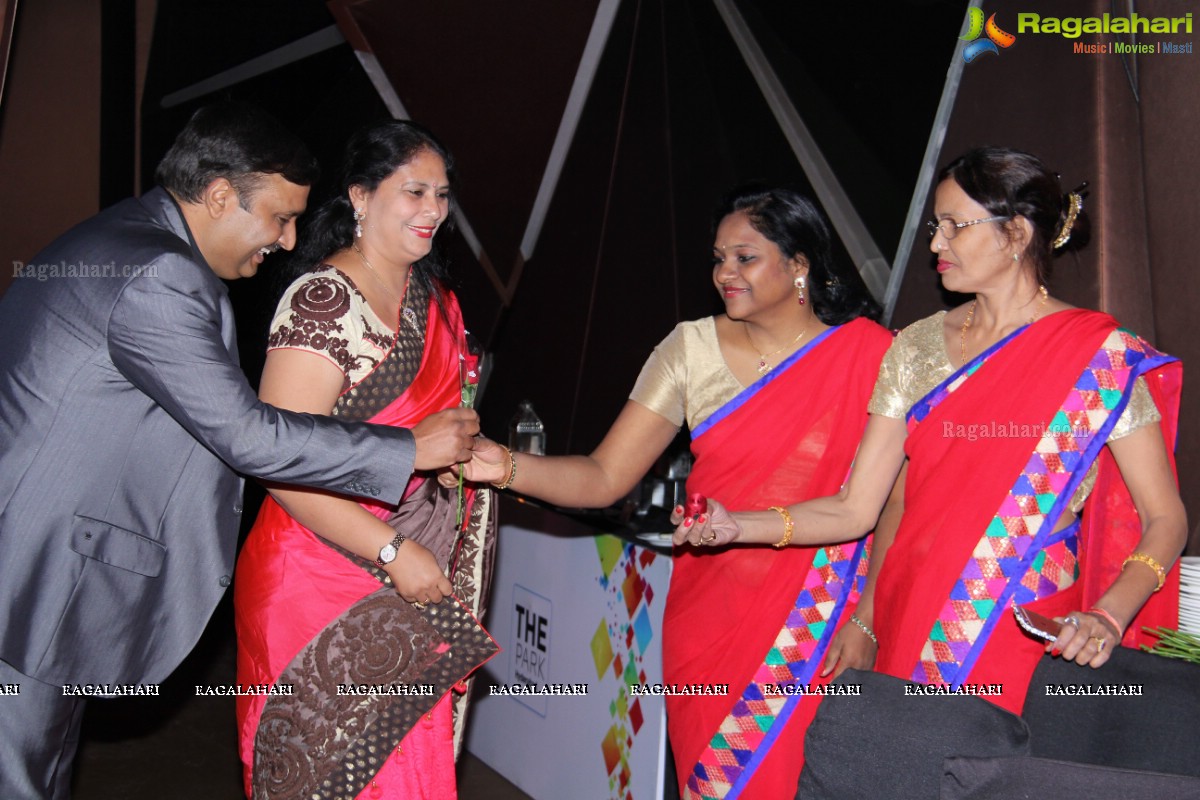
x=225, y=581
x=237, y=507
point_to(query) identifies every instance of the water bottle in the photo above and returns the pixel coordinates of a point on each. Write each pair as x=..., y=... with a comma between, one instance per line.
x=526, y=434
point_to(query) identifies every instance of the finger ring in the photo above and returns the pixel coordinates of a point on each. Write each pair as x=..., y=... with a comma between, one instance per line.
x=1101, y=641
x=1071, y=619
x=708, y=539
x=419, y=604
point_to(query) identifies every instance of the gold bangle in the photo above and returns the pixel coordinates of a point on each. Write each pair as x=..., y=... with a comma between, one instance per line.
x=1152, y=563
x=512, y=469
x=789, y=526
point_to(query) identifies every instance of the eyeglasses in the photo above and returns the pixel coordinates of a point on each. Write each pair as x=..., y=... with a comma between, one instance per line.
x=950, y=228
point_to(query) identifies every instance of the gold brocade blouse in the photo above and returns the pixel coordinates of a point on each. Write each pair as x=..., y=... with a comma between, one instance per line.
x=917, y=362
x=685, y=378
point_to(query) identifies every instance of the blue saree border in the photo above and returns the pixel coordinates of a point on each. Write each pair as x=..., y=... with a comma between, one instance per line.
x=810, y=667
x=744, y=396
x=1039, y=541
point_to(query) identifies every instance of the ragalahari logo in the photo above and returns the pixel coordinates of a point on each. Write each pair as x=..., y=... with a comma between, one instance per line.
x=996, y=38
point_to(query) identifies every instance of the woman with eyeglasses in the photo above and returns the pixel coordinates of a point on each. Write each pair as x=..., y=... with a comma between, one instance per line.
x=1013, y=410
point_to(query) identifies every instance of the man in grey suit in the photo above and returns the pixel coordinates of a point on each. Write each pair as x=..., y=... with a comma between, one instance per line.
x=125, y=422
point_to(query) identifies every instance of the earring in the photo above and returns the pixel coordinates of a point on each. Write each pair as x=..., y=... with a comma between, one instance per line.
x=1016, y=257
x=801, y=285
x=359, y=216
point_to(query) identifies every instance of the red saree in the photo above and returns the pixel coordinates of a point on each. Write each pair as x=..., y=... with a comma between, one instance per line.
x=985, y=489
x=311, y=616
x=732, y=615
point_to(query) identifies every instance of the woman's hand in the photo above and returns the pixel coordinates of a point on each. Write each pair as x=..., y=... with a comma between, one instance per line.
x=851, y=648
x=1087, y=639
x=714, y=528
x=489, y=463
x=416, y=575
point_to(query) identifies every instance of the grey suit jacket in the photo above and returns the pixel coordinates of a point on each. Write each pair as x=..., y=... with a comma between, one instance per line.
x=124, y=422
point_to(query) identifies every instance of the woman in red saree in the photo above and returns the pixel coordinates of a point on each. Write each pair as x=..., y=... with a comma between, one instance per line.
x=1011, y=410
x=759, y=619
x=774, y=392
x=331, y=595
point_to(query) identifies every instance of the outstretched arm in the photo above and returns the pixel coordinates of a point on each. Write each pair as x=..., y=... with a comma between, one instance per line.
x=637, y=438
x=852, y=647
x=825, y=520
x=166, y=338
x=303, y=381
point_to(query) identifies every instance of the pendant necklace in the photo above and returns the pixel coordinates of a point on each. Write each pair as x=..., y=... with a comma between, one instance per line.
x=763, y=366
x=407, y=314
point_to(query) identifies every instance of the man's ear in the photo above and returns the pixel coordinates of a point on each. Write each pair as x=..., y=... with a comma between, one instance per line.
x=219, y=198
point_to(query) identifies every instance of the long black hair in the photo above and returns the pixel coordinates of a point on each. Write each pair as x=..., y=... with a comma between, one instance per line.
x=371, y=156
x=798, y=228
x=1012, y=183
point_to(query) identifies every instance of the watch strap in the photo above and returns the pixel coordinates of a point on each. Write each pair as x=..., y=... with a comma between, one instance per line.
x=396, y=541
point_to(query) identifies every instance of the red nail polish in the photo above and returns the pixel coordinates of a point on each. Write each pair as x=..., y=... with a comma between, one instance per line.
x=704, y=517
x=1056, y=652
x=687, y=523
x=678, y=509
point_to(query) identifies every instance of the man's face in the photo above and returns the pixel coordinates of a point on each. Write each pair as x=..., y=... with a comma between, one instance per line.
x=242, y=237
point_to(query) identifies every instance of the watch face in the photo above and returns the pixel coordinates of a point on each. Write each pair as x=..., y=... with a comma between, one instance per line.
x=387, y=554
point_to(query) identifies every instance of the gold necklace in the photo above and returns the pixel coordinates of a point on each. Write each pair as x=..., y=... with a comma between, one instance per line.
x=407, y=314
x=962, y=334
x=763, y=366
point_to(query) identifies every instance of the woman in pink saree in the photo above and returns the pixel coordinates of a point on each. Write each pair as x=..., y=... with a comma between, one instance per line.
x=363, y=617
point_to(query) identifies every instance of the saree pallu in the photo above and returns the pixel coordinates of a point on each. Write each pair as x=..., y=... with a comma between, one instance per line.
x=996, y=453
x=314, y=617
x=756, y=618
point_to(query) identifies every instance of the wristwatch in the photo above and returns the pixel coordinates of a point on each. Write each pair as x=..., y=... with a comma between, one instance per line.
x=387, y=553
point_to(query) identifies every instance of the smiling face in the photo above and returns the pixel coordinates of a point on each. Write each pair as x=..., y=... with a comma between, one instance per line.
x=751, y=273
x=238, y=237
x=979, y=257
x=403, y=213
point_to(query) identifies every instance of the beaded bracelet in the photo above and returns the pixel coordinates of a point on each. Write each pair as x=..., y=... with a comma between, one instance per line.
x=512, y=470
x=789, y=526
x=1152, y=563
x=864, y=627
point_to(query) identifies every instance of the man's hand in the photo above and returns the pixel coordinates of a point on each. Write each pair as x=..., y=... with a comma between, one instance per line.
x=445, y=438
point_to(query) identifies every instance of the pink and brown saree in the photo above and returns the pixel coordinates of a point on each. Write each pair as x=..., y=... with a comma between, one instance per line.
x=371, y=677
